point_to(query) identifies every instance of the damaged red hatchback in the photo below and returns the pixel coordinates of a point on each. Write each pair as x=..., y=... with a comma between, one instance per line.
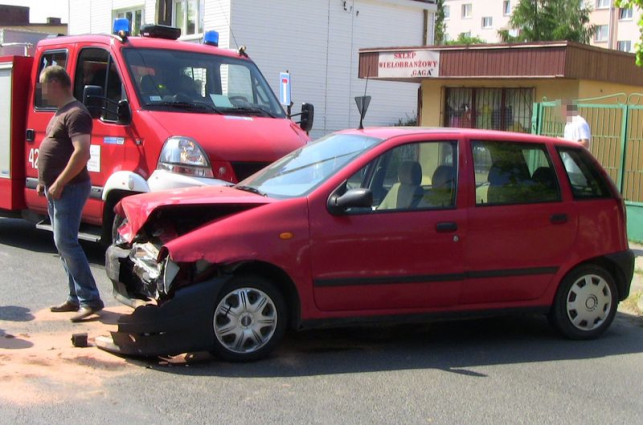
x=375, y=225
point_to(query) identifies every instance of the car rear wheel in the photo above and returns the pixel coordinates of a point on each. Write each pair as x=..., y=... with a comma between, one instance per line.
x=249, y=319
x=586, y=303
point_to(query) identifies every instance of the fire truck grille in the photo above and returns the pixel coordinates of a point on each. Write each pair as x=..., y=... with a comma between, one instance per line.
x=246, y=169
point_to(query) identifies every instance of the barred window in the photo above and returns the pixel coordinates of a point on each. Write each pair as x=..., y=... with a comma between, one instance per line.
x=507, y=109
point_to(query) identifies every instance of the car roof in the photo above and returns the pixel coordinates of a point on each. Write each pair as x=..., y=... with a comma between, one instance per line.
x=468, y=133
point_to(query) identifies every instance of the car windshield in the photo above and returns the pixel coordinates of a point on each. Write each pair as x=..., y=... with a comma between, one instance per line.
x=299, y=172
x=175, y=80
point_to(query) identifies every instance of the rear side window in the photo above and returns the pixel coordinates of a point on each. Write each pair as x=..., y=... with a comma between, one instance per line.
x=585, y=178
x=513, y=173
x=53, y=57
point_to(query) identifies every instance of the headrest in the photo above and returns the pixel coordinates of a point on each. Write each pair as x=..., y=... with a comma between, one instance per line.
x=410, y=172
x=443, y=177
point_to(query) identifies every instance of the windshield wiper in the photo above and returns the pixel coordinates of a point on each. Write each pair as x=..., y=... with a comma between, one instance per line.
x=250, y=110
x=197, y=106
x=250, y=189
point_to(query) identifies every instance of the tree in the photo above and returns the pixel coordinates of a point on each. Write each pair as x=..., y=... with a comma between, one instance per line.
x=629, y=4
x=464, y=38
x=550, y=20
x=440, y=25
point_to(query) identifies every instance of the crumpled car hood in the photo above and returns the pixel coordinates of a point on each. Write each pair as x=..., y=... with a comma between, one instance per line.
x=139, y=208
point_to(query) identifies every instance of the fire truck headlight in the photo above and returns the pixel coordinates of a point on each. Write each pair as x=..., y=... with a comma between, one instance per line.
x=183, y=155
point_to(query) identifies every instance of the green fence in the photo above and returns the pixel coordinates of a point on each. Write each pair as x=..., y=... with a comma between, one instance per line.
x=616, y=123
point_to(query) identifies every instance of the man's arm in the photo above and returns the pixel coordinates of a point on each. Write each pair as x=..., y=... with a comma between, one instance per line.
x=77, y=162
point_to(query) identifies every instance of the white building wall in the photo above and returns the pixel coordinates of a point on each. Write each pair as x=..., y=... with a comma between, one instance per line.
x=618, y=29
x=318, y=43
x=456, y=24
x=90, y=17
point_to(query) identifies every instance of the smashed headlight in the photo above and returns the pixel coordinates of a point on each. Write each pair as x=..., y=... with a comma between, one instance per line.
x=157, y=276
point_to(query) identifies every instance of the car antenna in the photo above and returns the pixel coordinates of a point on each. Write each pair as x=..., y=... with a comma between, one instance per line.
x=363, y=102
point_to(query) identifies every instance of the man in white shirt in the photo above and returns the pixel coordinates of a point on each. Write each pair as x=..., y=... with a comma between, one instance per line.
x=576, y=128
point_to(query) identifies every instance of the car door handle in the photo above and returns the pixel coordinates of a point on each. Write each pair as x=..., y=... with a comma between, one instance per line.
x=558, y=218
x=446, y=227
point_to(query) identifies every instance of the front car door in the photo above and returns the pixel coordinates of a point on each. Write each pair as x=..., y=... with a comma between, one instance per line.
x=402, y=255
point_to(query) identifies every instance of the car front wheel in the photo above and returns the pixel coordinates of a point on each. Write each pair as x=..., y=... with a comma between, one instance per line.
x=586, y=303
x=249, y=319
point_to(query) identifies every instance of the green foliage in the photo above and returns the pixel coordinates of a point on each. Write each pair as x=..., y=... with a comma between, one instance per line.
x=440, y=25
x=407, y=121
x=465, y=39
x=631, y=4
x=550, y=20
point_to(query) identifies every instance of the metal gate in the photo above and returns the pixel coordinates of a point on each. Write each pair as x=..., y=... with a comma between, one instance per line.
x=616, y=124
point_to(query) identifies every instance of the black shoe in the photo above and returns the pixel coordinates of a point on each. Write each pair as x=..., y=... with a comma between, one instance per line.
x=64, y=307
x=85, y=312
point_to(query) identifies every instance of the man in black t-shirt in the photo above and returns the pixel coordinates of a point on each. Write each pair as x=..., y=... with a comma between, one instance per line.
x=63, y=178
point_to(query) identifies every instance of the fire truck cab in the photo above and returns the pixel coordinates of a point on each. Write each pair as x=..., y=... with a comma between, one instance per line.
x=167, y=114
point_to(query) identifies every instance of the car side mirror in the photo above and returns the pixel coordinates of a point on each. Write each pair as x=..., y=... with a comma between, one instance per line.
x=123, y=112
x=353, y=198
x=307, y=117
x=93, y=99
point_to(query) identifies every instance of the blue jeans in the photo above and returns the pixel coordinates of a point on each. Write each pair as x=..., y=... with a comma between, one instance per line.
x=65, y=220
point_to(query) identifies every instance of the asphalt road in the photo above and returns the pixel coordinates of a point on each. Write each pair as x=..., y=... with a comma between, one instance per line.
x=494, y=371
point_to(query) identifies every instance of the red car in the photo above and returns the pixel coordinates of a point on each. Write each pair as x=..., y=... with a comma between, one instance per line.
x=375, y=225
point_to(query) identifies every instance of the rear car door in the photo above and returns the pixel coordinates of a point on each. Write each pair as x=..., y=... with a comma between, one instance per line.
x=520, y=228
x=404, y=253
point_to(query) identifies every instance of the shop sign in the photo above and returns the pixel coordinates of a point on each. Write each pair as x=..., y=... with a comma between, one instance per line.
x=408, y=64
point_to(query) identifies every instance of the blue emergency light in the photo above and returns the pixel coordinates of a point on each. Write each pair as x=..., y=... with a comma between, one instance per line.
x=211, y=38
x=122, y=27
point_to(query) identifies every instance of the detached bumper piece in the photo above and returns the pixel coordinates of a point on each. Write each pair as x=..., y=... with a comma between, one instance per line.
x=182, y=324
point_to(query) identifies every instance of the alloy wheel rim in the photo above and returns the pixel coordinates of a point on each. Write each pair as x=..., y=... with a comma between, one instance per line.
x=589, y=302
x=245, y=320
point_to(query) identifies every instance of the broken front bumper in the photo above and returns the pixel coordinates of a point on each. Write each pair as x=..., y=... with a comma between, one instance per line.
x=181, y=324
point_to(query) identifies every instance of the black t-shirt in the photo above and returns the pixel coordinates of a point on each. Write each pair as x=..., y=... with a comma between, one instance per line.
x=71, y=120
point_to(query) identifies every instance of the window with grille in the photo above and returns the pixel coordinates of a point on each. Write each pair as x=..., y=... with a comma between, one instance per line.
x=507, y=109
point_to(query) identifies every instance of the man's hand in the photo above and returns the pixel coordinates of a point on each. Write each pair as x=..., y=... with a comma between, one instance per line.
x=55, y=190
x=40, y=189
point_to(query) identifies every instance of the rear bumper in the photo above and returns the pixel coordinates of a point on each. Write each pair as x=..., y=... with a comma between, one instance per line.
x=624, y=262
x=179, y=325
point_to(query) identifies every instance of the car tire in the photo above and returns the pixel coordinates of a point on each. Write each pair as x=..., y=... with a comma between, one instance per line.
x=586, y=303
x=248, y=320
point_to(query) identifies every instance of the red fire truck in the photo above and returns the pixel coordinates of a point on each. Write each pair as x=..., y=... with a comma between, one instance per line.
x=167, y=114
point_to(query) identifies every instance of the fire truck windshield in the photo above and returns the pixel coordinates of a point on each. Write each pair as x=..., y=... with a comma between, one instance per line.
x=175, y=80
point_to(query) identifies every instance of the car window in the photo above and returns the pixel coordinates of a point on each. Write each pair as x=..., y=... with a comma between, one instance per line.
x=513, y=173
x=95, y=67
x=410, y=177
x=586, y=180
x=54, y=57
